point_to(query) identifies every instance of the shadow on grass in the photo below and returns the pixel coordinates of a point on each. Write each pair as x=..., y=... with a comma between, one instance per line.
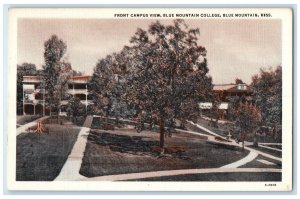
x=135, y=145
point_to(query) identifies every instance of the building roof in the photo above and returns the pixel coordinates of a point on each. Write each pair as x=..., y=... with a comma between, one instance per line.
x=39, y=78
x=232, y=87
x=32, y=78
x=222, y=87
x=82, y=77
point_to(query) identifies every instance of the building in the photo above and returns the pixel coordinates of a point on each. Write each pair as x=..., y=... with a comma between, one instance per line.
x=34, y=94
x=227, y=94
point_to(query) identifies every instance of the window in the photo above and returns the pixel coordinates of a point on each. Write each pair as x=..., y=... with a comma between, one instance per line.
x=241, y=87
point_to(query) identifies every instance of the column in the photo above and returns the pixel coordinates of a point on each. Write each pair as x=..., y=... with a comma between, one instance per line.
x=86, y=94
x=44, y=102
x=23, y=101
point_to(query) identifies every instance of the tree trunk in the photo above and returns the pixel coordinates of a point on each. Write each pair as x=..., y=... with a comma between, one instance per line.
x=243, y=139
x=243, y=144
x=106, y=119
x=162, y=137
x=117, y=120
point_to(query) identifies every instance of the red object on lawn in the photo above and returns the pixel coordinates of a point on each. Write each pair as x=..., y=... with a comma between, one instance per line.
x=39, y=128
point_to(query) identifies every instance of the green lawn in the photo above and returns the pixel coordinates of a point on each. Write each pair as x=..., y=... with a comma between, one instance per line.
x=40, y=157
x=257, y=164
x=268, y=151
x=223, y=129
x=24, y=119
x=125, y=151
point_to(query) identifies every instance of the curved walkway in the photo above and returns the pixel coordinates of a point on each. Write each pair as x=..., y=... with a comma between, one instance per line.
x=70, y=171
x=234, y=143
x=132, y=176
x=271, y=148
x=206, y=130
x=250, y=157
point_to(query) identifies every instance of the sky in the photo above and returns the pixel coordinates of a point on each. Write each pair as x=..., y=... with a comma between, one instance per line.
x=235, y=48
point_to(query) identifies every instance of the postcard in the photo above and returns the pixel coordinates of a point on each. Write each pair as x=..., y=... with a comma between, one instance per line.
x=150, y=99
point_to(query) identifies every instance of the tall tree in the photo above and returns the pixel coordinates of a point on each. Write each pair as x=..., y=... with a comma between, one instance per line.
x=55, y=49
x=108, y=84
x=267, y=94
x=23, y=70
x=167, y=77
x=101, y=85
x=247, y=119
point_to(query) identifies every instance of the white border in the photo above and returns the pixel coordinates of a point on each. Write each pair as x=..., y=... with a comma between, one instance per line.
x=284, y=14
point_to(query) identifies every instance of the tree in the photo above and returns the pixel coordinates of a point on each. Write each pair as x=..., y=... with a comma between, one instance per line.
x=101, y=85
x=75, y=108
x=23, y=70
x=55, y=49
x=267, y=95
x=108, y=84
x=167, y=74
x=247, y=119
x=238, y=81
x=215, y=111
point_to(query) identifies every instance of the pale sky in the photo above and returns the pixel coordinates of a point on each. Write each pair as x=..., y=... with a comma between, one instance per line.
x=235, y=48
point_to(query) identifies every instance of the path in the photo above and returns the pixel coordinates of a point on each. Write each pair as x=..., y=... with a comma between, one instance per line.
x=278, y=144
x=23, y=128
x=250, y=157
x=233, y=143
x=152, y=174
x=70, y=170
x=267, y=147
x=205, y=129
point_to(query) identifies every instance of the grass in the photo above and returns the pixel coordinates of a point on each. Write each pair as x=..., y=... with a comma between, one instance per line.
x=65, y=120
x=238, y=176
x=125, y=151
x=274, y=146
x=223, y=129
x=257, y=164
x=24, y=119
x=268, y=151
x=40, y=157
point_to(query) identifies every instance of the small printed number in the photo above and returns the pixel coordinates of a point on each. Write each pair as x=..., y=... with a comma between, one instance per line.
x=270, y=185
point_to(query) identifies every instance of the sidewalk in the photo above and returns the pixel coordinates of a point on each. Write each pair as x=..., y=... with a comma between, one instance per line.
x=250, y=157
x=23, y=128
x=70, y=171
x=151, y=174
x=71, y=168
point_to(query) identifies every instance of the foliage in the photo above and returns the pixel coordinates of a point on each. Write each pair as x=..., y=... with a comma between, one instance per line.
x=55, y=49
x=167, y=77
x=247, y=119
x=23, y=70
x=108, y=85
x=215, y=112
x=238, y=81
x=75, y=108
x=267, y=93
